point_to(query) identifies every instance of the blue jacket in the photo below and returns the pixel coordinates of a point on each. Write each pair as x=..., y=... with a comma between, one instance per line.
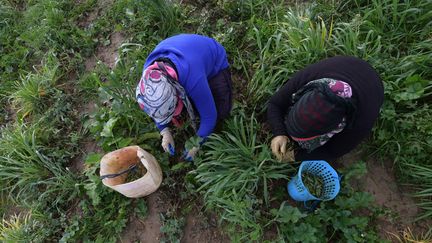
x=197, y=59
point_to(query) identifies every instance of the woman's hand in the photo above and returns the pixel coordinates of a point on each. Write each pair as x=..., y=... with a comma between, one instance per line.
x=167, y=141
x=192, y=146
x=189, y=155
x=280, y=148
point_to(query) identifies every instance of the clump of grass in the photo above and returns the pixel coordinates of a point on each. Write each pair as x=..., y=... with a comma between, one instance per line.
x=34, y=91
x=14, y=229
x=242, y=215
x=236, y=167
x=297, y=40
x=408, y=236
x=423, y=175
x=30, y=226
x=27, y=173
x=236, y=159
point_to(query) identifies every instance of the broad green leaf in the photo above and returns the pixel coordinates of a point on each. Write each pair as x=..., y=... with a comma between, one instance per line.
x=141, y=209
x=288, y=214
x=124, y=142
x=109, y=125
x=93, y=158
x=304, y=233
x=357, y=200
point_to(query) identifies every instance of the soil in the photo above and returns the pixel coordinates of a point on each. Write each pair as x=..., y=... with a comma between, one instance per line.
x=381, y=182
x=202, y=228
x=106, y=54
x=199, y=227
x=147, y=230
x=88, y=18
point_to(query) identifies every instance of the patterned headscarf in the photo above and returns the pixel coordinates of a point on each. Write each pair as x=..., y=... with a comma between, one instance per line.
x=341, y=89
x=159, y=91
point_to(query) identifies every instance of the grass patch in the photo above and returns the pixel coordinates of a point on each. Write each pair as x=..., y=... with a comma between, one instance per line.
x=28, y=173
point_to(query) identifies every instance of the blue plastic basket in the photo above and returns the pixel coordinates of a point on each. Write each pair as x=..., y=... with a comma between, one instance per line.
x=298, y=191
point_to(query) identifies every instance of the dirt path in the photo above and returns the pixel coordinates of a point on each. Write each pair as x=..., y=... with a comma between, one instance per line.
x=202, y=228
x=107, y=55
x=147, y=230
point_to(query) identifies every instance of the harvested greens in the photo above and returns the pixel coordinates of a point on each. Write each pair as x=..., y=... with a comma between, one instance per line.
x=138, y=172
x=313, y=183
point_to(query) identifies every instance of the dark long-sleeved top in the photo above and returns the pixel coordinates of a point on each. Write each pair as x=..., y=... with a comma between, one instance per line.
x=368, y=96
x=197, y=59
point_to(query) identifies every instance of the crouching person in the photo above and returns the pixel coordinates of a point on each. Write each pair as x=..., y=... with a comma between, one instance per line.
x=325, y=110
x=186, y=77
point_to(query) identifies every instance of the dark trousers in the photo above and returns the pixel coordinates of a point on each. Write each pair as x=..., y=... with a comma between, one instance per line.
x=221, y=88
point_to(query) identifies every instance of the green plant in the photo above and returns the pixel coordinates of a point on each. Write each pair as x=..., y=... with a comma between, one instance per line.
x=236, y=160
x=13, y=230
x=297, y=40
x=313, y=183
x=27, y=173
x=336, y=220
x=348, y=40
x=28, y=226
x=141, y=210
x=172, y=228
x=243, y=215
x=118, y=120
x=330, y=222
x=235, y=166
x=103, y=214
x=35, y=90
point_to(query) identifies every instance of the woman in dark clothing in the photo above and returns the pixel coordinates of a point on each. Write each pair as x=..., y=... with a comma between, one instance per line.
x=327, y=109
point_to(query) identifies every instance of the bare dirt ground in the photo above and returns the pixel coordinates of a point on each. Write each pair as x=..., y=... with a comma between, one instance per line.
x=380, y=181
x=202, y=228
x=199, y=227
x=106, y=54
x=147, y=230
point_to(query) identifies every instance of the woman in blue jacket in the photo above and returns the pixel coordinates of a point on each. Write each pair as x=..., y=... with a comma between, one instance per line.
x=186, y=75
